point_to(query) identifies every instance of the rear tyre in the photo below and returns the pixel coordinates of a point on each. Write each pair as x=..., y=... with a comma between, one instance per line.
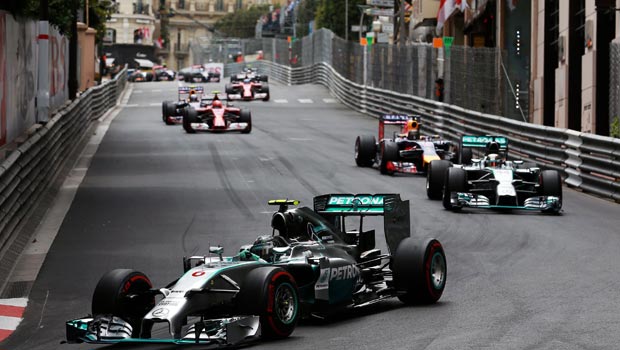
x=435, y=178
x=246, y=117
x=189, y=116
x=122, y=293
x=263, y=78
x=465, y=156
x=389, y=153
x=551, y=185
x=419, y=270
x=271, y=293
x=170, y=110
x=365, y=150
x=229, y=89
x=455, y=181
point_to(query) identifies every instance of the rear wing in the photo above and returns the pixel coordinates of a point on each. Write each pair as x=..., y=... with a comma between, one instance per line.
x=395, y=212
x=187, y=90
x=469, y=141
x=395, y=119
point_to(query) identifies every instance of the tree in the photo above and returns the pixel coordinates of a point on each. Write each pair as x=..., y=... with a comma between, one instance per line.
x=241, y=23
x=331, y=14
x=60, y=13
x=306, y=13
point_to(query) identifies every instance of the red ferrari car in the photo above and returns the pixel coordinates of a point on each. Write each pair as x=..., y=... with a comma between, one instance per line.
x=247, y=90
x=216, y=116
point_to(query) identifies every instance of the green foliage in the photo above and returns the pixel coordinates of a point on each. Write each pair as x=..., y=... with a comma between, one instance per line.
x=305, y=14
x=242, y=23
x=60, y=13
x=615, y=127
x=331, y=14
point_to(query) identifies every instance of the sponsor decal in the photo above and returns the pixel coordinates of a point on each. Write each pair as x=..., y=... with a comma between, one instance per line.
x=485, y=139
x=360, y=200
x=395, y=117
x=198, y=273
x=161, y=312
x=343, y=273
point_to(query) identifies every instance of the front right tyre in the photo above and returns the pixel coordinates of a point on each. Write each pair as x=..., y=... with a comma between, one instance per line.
x=271, y=293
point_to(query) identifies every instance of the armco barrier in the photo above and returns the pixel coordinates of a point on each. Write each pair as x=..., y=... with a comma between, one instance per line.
x=589, y=162
x=28, y=171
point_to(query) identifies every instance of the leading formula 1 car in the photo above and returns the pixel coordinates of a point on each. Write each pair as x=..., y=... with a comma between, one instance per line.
x=406, y=151
x=493, y=181
x=248, y=73
x=216, y=116
x=172, y=112
x=311, y=264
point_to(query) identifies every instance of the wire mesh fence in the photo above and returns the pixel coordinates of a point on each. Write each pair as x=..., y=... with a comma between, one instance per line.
x=468, y=77
x=614, y=89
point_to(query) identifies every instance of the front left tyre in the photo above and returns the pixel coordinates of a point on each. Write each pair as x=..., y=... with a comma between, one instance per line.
x=190, y=116
x=245, y=116
x=419, y=270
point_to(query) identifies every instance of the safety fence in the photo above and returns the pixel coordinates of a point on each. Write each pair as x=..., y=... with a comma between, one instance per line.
x=588, y=162
x=29, y=170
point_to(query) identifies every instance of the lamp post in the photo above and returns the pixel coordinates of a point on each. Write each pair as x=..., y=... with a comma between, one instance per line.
x=346, y=20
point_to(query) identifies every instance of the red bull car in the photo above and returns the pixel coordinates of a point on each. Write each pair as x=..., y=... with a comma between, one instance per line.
x=216, y=116
x=172, y=112
x=248, y=90
x=405, y=151
x=310, y=265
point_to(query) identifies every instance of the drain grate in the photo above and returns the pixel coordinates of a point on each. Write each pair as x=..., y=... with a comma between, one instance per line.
x=17, y=290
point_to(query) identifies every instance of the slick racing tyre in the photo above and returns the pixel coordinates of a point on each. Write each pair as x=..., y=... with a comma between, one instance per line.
x=170, y=109
x=122, y=293
x=271, y=293
x=365, y=150
x=164, y=111
x=229, y=89
x=455, y=181
x=435, y=178
x=245, y=116
x=465, y=156
x=189, y=116
x=389, y=153
x=551, y=185
x=265, y=90
x=419, y=270
x=263, y=78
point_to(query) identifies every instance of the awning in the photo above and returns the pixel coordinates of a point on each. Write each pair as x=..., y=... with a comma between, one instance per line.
x=144, y=63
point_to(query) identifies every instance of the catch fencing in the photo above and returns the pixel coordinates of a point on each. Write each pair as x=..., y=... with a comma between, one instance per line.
x=29, y=170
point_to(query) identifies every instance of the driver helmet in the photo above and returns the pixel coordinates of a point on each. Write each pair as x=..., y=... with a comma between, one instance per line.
x=246, y=80
x=217, y=104
x=493, y=160
x=193, y=98
x=263, y=247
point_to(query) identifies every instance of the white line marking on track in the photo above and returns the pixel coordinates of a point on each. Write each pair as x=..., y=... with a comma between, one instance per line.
x=154, y=104
x=9, y=323
x=299, y=139
x=131, y=105
x=21, y=302
x=138, y=91
x=280, y=101
x=305, y=100
x=157, y=90
x=330, y=100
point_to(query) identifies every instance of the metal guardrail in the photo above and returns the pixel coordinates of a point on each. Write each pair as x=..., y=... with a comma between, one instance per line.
x=30, y=169
x=589, y=162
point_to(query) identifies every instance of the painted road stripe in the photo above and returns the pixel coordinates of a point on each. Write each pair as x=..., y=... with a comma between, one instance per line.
x=280, y=101
x=138, y=91
x=305, y=100
x=11, y=312
x=157, y=90
x=330, y=100
x=131, y=105
x=155, y=104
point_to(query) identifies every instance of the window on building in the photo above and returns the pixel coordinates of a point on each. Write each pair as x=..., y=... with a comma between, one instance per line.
x=219, y=5
x=238, y=4
x=181, y=4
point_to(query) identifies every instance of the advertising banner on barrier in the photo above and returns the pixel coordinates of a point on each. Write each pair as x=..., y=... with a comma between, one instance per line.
x=3, y=82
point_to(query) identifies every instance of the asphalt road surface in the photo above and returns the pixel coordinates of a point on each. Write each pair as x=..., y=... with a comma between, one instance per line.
x=153, y=194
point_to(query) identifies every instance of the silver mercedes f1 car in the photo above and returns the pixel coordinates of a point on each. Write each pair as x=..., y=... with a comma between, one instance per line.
x=311, y=264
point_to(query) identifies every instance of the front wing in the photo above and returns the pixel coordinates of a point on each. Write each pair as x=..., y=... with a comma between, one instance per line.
x=114, y=330
x=230, y=127
x=541, y=203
